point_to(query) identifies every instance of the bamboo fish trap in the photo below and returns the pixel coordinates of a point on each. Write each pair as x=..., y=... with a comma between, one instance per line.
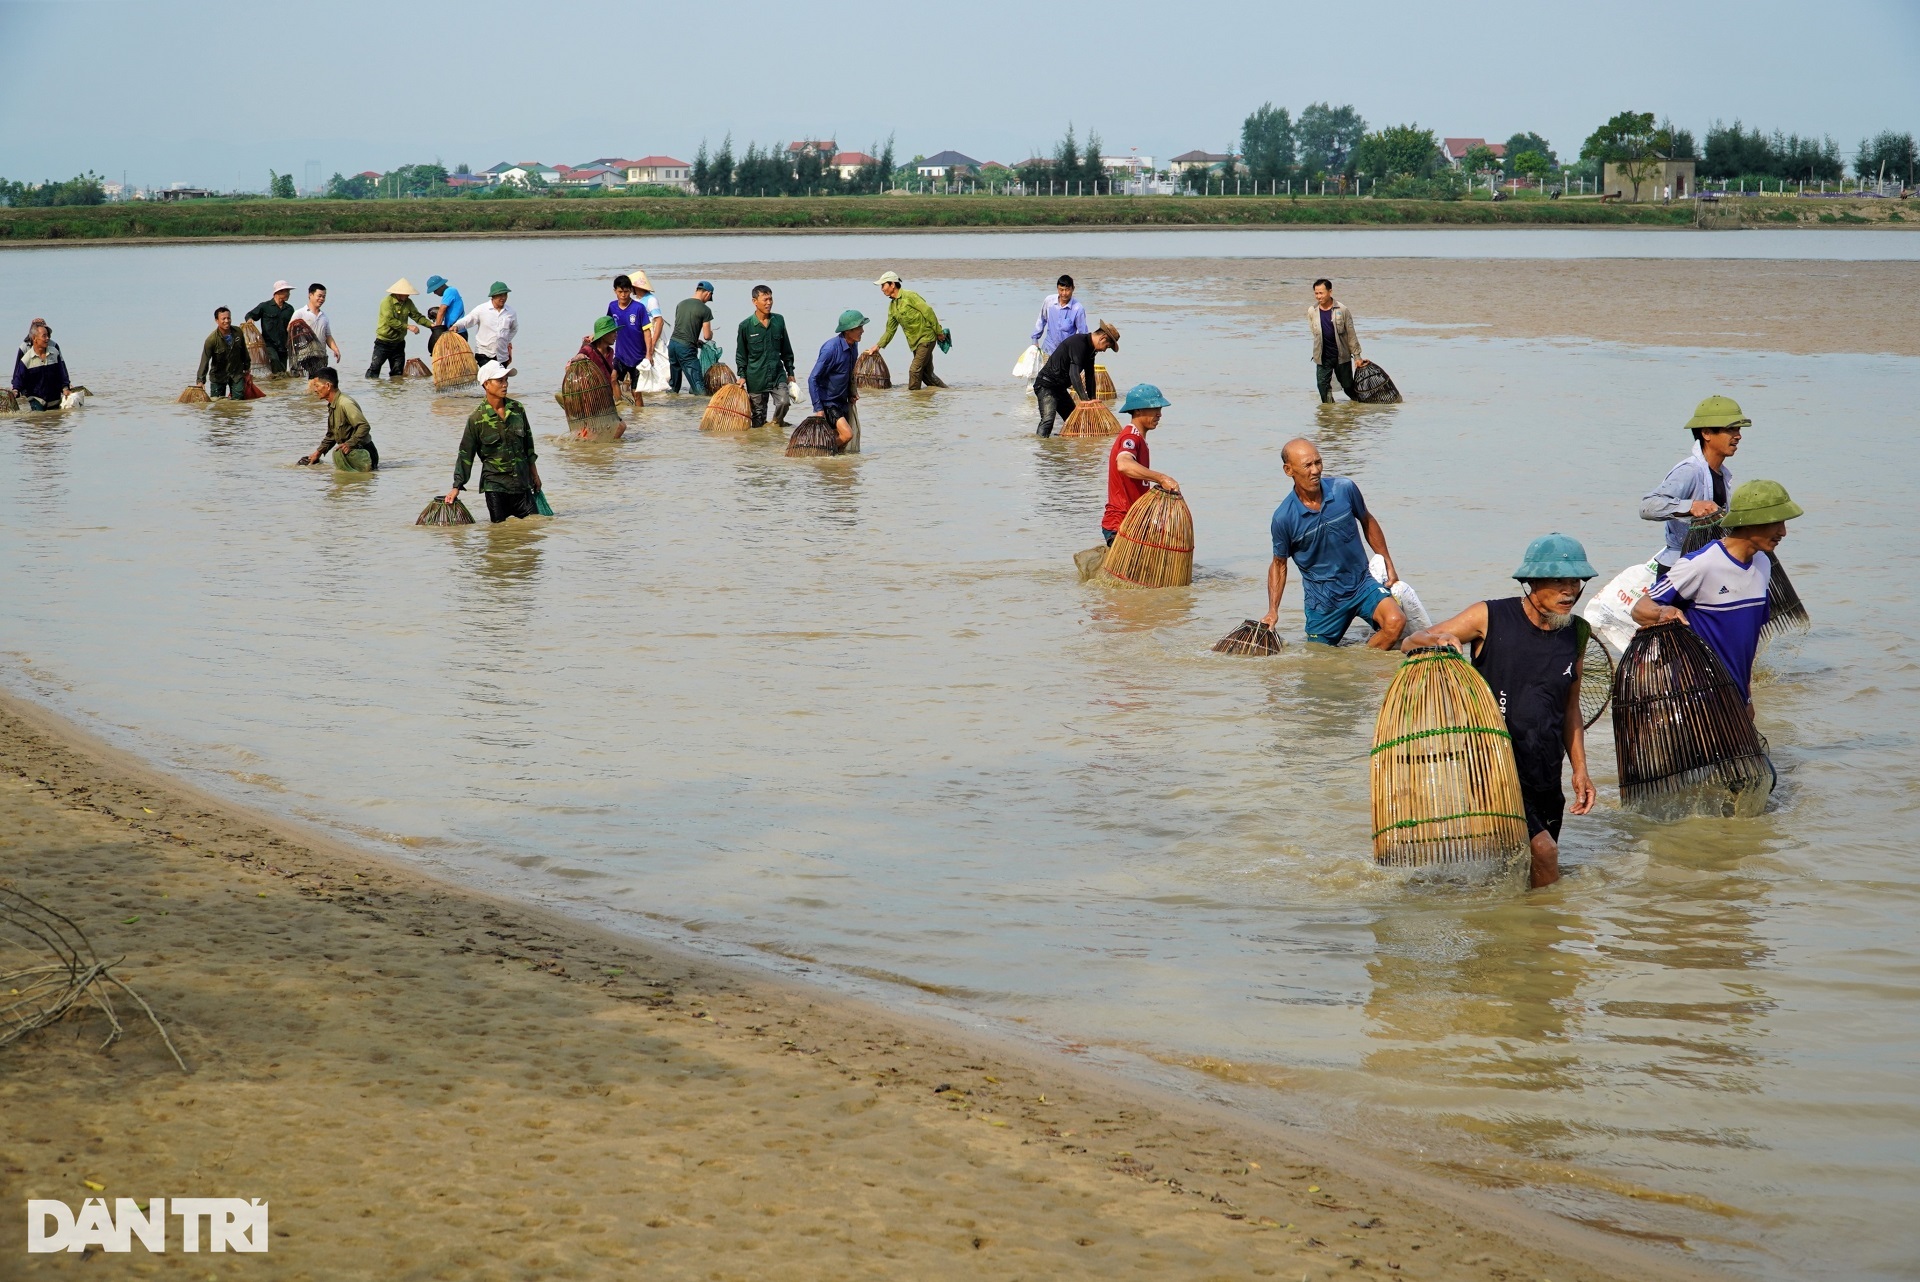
x=195, y=395
x=1251, y=637
x=719, y=375
x=1786, y=612
x=8, y=401
x=256, y=347
x=417, y=368
x=1090, y=418
x=1103, y=389
x=814, y=437
x=1445, y=787
x=586, y=395
x=871, y=371
x=305, y=352
x=730, y=410
x=1685, y=742
x=1154, y=546
x=1596, y=681
x=453, y=363
x=1374, y=385
x=441, y=512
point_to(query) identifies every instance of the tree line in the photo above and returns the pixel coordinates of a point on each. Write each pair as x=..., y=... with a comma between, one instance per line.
x=774, y=170
x=82, y=189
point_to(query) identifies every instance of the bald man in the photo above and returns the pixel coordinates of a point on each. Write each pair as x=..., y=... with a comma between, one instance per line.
x=1320, y=526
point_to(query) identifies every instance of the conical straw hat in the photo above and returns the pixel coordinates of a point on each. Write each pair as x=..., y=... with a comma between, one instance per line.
x=640, y=281
x=402, y=286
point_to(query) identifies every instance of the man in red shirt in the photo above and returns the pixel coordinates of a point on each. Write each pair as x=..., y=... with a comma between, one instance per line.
x=1127, y=470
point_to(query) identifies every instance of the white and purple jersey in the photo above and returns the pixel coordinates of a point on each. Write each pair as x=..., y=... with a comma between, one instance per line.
x=1724, y=600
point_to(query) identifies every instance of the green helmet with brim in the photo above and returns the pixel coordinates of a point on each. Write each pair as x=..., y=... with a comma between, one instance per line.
x=1555, y=556
x=1717, y=414
x=1759, y=503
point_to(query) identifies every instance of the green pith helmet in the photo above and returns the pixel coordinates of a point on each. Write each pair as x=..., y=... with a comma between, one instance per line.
x=604, y=326
x=1717, y=413
x=1759, y=503
x=1555, y=556
x=849, y=319
x=496, y=289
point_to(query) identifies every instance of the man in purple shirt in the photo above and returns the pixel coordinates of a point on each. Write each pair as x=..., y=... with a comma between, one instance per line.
x=831, y=383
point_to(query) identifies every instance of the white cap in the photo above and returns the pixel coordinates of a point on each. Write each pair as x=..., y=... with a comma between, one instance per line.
x=494, y=369
x=889, y=278
x=279, y=285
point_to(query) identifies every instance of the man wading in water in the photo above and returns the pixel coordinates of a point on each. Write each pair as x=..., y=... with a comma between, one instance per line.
x=1530, y=648
x=497, y=433
x=1697, y=487
x=347, y=428
x=1319, y=526
x=1336, y=343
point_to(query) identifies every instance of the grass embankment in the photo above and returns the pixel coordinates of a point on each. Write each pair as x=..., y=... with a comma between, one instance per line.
x=218, y=219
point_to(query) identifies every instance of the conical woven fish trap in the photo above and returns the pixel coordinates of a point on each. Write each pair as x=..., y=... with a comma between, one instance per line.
x=1683, y=738
x=870, y=370
x=441, y=512
x=1090, y=418
x=256, y=346
x=730, y=410
x=1251, y=637
x=1786, y=612
x=8, y=401
x=719, y=375
x=585, y=390
x=1154, y=546
x=417, y=368
x=1374, y=385
x=815, y=436
x=194, y=395
x=1103, y=389
x=453, y=363
x=1445, y=787
x=305, y=352
x=1596, y=682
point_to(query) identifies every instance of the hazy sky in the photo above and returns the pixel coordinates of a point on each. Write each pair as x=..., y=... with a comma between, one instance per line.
x=216, y=94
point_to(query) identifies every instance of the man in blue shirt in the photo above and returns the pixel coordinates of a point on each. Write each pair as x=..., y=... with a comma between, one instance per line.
x=630, y=340
x=1319, y=525
x=831, y=383
x=1721, y=590
x=452, y=307
x=1060, y=318
x=1696, y=489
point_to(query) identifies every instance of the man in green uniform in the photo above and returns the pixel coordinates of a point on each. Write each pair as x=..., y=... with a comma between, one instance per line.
x=398, y=317
x=223, y=359
x=272, y=317
x=347, y=427
x=498, y=434
x=908, y=311
x=763, y=355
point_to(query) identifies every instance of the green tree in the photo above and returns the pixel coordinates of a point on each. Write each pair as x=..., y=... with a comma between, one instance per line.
x=1267, y=143
x=1327, y=137
x=1887, y=154
x=1520, y=144
x=1630, y=141
x=1398, y=151
x=1531, y=164
x=82, y=189
x=357, y=187
x=281, y=186
x=1480, y=160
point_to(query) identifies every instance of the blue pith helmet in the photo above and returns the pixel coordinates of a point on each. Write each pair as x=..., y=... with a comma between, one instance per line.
x=1555, y=556
x=1143, y=396
x=436, y=283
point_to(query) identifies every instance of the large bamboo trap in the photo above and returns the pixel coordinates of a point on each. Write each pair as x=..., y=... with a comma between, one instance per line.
x=1154, y=545
x=870, y=370
x=586, y=396
x=453, y=363
x=730, y=410
x=1090, y=418
x=1685, y=742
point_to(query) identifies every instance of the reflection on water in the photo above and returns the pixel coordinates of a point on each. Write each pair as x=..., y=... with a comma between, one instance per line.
x=862, y=710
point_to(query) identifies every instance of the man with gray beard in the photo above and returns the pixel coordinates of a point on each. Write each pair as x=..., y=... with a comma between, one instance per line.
x=1529, y=650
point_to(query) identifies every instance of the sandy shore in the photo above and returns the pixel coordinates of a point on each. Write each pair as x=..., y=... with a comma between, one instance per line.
x=426, y=1083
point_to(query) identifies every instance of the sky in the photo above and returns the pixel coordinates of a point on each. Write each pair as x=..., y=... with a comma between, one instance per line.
x=217, y=96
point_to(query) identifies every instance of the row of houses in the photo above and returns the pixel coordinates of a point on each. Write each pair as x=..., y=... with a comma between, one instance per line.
x=655, y=171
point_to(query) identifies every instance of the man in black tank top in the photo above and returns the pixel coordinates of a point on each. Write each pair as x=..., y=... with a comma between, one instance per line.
x=1529, y=651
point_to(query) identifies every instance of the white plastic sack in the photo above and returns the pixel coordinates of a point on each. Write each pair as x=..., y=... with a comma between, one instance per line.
x=1610, y=612
x=1418, y=620
x=1028, y=366
x=74, y=399
x=651, y=374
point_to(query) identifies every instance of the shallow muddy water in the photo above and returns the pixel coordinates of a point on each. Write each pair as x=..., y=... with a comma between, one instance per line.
x=858, y=713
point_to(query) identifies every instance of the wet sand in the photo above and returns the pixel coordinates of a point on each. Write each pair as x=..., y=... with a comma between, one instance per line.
x=427, y=1083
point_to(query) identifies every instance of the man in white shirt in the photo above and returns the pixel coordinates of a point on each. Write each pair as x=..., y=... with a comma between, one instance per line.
x=316, y=319
x=492, y=327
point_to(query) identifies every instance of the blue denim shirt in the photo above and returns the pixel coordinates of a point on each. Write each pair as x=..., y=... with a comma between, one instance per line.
x=1672, y=501
x=831, y=383
x=1057, y=324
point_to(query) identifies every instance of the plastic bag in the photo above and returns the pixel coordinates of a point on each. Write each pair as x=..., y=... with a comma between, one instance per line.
x=1028, y=366
x=709, y=356
x=74, y=398
x=1418, y=620
x=1611, y=609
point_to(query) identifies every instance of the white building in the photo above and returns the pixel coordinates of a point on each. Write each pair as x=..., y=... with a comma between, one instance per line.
x=660, y=171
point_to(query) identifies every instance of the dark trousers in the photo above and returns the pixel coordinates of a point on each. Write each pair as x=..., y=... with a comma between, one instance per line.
x=502, y=506
x=627, y=376
x=1055, y=403
x=775, y=398
x=682, y=358
x=233, y=390
x=920, y=373
x=393, y=351
x=276, y=359
x=1108, y=535
x=1324, y=375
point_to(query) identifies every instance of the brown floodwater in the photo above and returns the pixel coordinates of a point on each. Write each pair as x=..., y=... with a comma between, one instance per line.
x=857, y=717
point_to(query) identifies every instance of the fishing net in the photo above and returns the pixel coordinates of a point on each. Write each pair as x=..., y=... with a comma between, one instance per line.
x=1251, y=637
x=1596, y=682
x=1444, y=784
x=441, y=512
x=256, y=347
x=1374, y=386
x=352, y=461
x=1684, y=737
